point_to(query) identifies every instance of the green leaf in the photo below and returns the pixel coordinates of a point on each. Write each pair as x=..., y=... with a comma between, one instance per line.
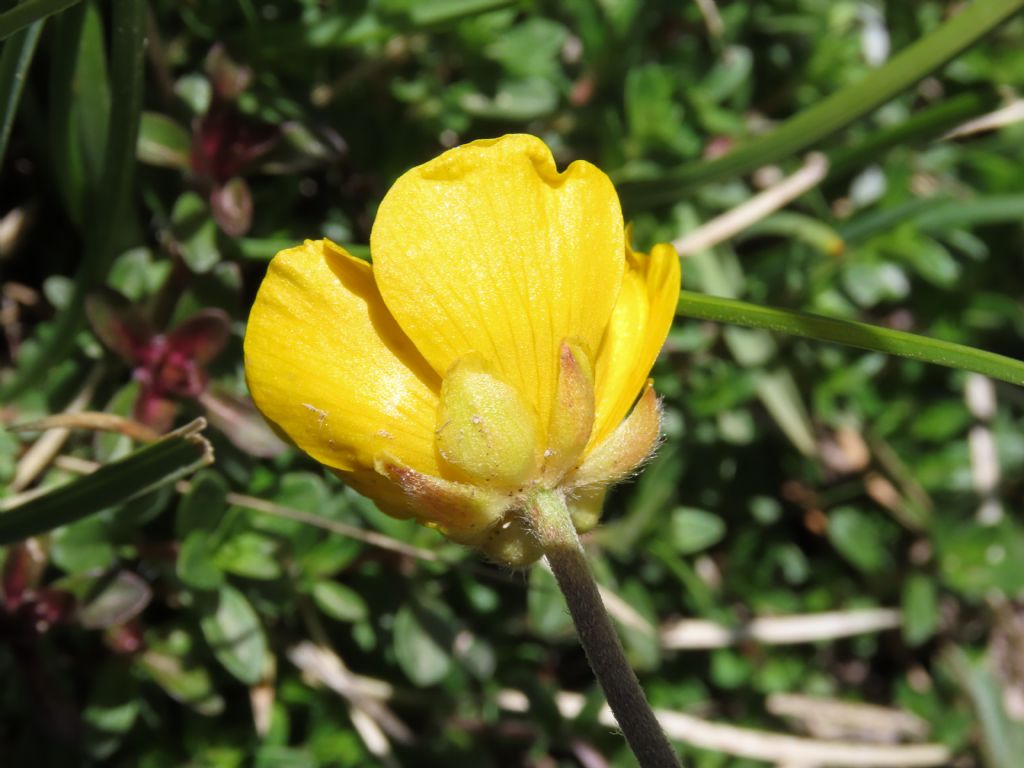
x=852, y=333
x=941, y=422
x=920, y=608
x=82, y=546
x=983, y=210
x=694, y=530
x=195, y=90
x=9, y=450
x=780, y=396
x=29, y=12
x=840, y=109
x=64, y=106
x=423, y=641
x=137, y=275
x=195, y=565
x=859, y=537
x=529, y=48
x=339, y=602
x=423, y=13
x=729, y=669
x=163, y=462
x=196, y=232
x=934, y=263
x=979, y=560
x=922, y=126
x=653, y=113
x=275, y=756
x=798, y=226
x=169, y=663
x=203, y=507
x=79, y=109
x=91, y=101
x=234, y=633
x=163, y=142
x=1002, y=738
x=329, y=556
x=524, y=99
x=14, y=63
x=128, y=21
x=250, y=555
x=477, y=657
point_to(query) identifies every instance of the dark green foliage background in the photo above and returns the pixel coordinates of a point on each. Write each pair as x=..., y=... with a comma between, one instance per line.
x=746, y=511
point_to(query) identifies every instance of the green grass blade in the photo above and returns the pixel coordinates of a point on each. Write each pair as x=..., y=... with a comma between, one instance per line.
x=432, y=12
x=162, y=462
x=936, y=215
x=119, y=164
x=811, y=126
x=922, y=126
x=851, y=333
x=14, y=64
x=1001, y=737
x=982, y=210
x=28, y=13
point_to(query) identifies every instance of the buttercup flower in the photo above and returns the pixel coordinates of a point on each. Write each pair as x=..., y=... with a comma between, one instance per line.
x=499, y=345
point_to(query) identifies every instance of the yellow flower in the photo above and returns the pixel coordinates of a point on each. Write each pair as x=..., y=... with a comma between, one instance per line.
x=494, y=348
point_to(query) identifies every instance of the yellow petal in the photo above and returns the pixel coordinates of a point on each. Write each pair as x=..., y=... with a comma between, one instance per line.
x=638, y=327
x=329, y=366
x=489, y=249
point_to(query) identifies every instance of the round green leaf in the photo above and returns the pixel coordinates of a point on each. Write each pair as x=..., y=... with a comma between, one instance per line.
x=234, y=633
x=422, y=645
x=920, y=609
x=694, y=530
x=339, y=602
x=195, y=566
x=202, y=508
x=163, y=142
x=859, y=537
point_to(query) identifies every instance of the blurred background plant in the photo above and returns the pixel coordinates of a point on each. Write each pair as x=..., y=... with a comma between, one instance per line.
x=825, y=529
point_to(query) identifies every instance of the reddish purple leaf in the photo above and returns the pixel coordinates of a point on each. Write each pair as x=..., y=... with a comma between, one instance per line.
x=225, y=143
x=119, y=325
x=154, y=410
x=125, y=639
x=48, y=607
x=201, y=337
x=16, y=575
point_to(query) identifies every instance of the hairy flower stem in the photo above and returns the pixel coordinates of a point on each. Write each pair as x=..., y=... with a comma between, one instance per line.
x=561, y=544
